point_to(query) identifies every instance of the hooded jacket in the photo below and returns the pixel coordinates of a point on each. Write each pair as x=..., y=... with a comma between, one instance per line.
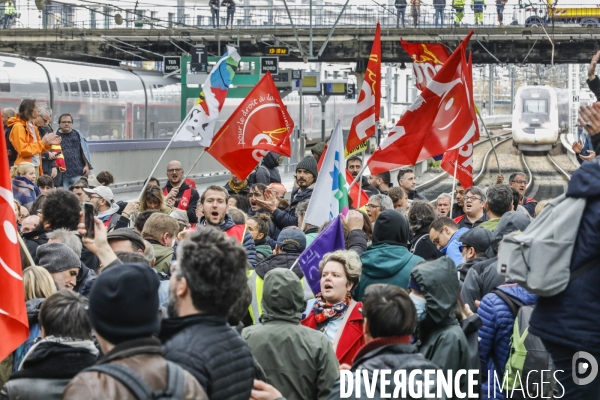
x=268, y=173
x=248, y=242
x=298, y=361
x=422, y=246
x=574, y=306
x=440, y=337
x=496, y=332
x=48, y=368
x=163, y=255
x=387, y=260
x=452, y=248
x=22, y=140
x=482, y=278
x=288, y=217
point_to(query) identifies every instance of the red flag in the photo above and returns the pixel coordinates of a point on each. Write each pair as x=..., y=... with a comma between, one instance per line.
x=427, y=60
x=259, y=125
x=14, y=327
x=441, y=118
x=355, y=191
x=464, y=155
x=366, y=113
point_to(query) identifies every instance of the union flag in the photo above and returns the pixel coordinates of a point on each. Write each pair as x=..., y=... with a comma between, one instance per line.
x=427, y=60
x=366, y=114
x=259, y=125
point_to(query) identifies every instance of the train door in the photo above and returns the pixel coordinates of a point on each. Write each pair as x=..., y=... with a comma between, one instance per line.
x=129, y=121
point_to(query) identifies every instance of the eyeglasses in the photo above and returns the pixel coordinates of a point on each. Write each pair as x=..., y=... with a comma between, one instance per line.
x=170, y=171
x=462, y=247
x=436, y=240
x=372, y=206
x=471, y=198
x=520, y=182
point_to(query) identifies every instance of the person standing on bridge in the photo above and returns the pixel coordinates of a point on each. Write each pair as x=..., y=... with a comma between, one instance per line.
x=500, y=10
x=230, y=4
x=415, y=11
x=75, y=151
x=10, y=13
x=477, y=6
x=214, y=10
x=459, y=8
x=440, y=6
x=400, y=11
x=179, y=194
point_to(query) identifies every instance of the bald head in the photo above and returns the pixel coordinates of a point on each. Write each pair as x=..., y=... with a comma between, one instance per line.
x=175, y=173
x=30, y=223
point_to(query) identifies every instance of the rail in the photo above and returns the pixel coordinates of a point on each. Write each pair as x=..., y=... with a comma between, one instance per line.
x=97, y=16
x=558, y=168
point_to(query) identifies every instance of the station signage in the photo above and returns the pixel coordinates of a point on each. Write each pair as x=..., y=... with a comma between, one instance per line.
x=269, y=64
x=171, y=64
x=277, y=51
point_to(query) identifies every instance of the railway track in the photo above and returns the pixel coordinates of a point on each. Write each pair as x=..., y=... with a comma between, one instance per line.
x=547, y=179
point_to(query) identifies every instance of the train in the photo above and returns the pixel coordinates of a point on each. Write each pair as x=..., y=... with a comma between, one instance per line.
x=123, y=103
x=540, y=114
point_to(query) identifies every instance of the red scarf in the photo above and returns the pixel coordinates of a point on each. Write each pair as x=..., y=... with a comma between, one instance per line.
x=324, y=311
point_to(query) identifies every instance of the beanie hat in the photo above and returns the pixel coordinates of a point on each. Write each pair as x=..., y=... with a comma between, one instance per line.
x=310, y=164
x=318, y=149
x=412, y=284
x=57, y=257
x=124, y=303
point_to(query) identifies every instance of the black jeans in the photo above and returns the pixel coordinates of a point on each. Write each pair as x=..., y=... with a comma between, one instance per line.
x=400, y=16
x=562, y=358
x=230, y=16
x=215, y=17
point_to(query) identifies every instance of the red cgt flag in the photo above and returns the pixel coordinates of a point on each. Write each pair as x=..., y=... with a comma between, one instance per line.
x=14, y=327
x=441, y=118
x=259, y=125
x=427, y=60
x=366, y=114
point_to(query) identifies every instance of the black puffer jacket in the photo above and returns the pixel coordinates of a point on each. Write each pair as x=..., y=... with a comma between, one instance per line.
x=288, y=217
x=394, y=357
x=213, y=352
x=268, y=173
x=422, y=246
x=84, y=275
x=282, y=260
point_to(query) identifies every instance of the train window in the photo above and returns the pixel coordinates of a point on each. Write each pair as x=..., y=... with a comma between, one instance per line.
x=4, y=83
x=104, y=89
x=65, y=86
x=85, y=87
x=114, y=89
x=74, y=88
x=151, y=91
x=95, y=88
x=58, y=87
x=535, y=106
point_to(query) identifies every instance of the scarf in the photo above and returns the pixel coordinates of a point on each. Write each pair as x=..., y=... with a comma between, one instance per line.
x=238, y=188
x=325, y=312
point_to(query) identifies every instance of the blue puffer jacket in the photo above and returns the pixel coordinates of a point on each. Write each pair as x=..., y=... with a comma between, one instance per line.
x=565, y=319
x=495, y=334
x=451, y=250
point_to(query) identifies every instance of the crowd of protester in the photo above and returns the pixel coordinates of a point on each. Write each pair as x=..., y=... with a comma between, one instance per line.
x=202, y=295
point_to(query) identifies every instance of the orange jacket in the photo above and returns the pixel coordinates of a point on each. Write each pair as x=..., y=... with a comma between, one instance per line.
x=22, y=140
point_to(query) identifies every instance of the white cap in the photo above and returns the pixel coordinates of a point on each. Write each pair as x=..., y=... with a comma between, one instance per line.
x=102, y=191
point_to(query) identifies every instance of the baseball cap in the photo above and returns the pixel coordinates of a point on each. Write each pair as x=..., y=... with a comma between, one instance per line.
x=478, y=238
x=101, y=191
x=292, y=240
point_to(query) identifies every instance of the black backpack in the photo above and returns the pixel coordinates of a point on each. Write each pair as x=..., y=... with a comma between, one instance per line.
x=10, y=149
x=140, y=389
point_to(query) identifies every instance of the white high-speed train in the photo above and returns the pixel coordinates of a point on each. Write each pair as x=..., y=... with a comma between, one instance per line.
x=112, y=103
x=540, y=114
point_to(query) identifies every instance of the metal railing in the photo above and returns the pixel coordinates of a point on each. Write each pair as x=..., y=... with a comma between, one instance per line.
x=262, y=16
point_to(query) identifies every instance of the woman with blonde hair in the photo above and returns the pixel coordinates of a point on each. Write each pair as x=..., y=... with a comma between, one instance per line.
x=23, y=183
x=39, y=285
x=335, y=313
x=152, y=199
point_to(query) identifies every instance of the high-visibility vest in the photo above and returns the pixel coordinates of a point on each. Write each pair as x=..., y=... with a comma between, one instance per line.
x=256, y=286
x=458, y=3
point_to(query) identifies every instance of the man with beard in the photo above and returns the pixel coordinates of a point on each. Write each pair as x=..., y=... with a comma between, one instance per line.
x=459, y=203
x=381, y=182
x=178, y=194
x=354, y=165
x=205, y=283
x=306, y=176
x=214, y=206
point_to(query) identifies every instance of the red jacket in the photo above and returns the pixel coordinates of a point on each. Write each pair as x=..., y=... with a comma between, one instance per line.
x=352, y=338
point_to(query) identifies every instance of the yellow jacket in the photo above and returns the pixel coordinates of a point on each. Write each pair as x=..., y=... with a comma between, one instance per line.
x=22, y=140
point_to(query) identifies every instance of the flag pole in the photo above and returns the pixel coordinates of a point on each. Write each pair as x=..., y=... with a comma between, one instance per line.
x=26, y=251
x=453, y=187
x=196, y=162
x=156, y=166
x=357, y=177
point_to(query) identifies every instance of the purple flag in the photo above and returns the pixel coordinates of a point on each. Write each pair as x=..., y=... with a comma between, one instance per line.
x=330, y=239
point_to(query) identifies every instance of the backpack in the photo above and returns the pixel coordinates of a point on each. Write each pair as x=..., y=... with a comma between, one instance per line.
x=140, y=389
x=10, y=149
x=539, y=258
x=528, y=355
